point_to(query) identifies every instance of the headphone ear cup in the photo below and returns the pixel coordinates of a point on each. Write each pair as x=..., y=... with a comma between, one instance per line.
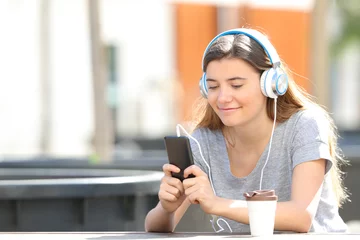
x=265, y=81
x=262, y=82
x=281, y=82
x=273, y=83
x=202, y=85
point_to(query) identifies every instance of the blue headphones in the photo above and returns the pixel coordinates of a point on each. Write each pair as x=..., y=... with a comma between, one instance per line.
x=273, y=82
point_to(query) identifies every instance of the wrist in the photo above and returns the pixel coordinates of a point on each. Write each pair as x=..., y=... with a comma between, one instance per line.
x=223, y=205
x=164, y=211
x=217, y=206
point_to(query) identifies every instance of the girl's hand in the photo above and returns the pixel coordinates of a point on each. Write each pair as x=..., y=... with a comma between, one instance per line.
x=171, y=193
x=198, y=189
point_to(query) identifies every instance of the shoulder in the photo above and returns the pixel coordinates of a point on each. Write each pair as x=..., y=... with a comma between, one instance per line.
x=203, y=141
x=309, y=127
x=312, y=119
x=207, y=138
x=310, y=136
x=202, y=133
x=314, y=114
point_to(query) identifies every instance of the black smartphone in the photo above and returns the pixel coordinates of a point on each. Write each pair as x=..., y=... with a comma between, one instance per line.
x=179, y=154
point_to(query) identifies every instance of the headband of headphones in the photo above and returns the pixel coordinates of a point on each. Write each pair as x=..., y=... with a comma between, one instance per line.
x=273, y=82
x=255, y=35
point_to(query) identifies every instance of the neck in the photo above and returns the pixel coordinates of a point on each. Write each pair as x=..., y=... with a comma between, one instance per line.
x=256, y=133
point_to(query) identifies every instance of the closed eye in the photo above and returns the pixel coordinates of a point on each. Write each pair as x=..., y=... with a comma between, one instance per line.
x=237, y=86
x=212, y=87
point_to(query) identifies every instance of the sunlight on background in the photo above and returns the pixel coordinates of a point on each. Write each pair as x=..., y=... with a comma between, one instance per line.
x=106, y=82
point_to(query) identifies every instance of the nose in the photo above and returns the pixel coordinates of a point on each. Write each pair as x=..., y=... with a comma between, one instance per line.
x=224, y=96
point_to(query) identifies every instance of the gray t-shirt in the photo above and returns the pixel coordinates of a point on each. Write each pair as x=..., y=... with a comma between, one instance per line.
x=302, y=138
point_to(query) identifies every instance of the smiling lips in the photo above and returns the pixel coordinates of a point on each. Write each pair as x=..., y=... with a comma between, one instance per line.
x=226, y=110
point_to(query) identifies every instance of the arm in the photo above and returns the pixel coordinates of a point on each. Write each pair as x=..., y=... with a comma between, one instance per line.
x=294, y=215
x=172, y=205
x=159, y=220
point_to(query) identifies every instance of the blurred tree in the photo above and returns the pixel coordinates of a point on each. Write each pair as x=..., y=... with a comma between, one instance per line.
x=350, y=14
x=103, y=132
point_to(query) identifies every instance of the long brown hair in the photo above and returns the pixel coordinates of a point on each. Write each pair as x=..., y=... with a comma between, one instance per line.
x=294, y=100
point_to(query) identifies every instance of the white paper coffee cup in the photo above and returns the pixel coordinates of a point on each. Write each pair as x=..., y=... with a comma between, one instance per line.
x=261, y=207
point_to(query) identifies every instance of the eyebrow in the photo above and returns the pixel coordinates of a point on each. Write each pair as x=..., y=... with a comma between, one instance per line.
x=229, y=79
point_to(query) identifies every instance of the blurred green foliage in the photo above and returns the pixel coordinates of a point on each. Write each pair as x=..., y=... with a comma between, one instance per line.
x=350, y=13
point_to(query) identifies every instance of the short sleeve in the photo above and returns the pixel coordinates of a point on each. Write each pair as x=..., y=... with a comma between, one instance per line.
x=311, y=139
x=198, y=147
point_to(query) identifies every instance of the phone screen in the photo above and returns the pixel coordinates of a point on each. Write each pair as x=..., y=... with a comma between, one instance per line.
x=179, y=154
